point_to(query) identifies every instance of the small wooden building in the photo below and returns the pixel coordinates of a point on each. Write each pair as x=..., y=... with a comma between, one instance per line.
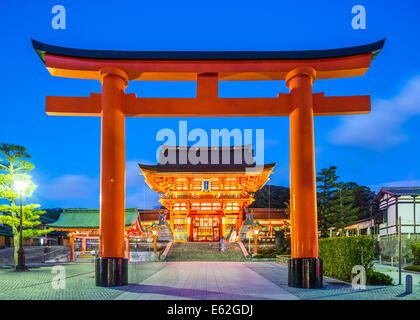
x=389, y=205
x=82, y=225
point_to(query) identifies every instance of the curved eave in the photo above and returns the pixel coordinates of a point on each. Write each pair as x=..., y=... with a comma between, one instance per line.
x=185, y=65
x=72, y=229
x=43, y=48
x=82, y=228
x=151, y=169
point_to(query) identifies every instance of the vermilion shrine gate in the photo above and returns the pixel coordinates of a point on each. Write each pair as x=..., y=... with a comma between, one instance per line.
x=299, y=68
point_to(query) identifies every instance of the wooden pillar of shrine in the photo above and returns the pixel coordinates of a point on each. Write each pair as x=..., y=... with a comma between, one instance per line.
x=240, y=222
x=127, y=248
x=83, y=244
x=71, y=248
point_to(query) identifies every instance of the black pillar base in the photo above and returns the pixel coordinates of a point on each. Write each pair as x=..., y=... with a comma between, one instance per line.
x=111, y=272
x=21, y=267
x=305, y=273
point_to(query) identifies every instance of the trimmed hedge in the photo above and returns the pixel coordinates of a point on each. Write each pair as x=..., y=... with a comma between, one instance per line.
x=412, y=268
x=375, y=278
x=341, y=254
x=272, y=252
x=415, y=248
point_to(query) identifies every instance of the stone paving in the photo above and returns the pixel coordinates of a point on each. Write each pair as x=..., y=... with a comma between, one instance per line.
x=336, y=290
x=190, y=280
x=79, y=285
x=393, y=273
x=206, y=281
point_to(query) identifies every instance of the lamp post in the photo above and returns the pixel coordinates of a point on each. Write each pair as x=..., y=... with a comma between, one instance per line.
x=256, y=241
x=153, y=228
x=256, y=227
x=20, y=186
x=154, y=235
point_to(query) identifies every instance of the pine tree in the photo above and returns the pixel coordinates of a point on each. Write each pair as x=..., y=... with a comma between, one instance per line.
x=326, y=186
x=344, y=212
x=363, y=197
x=14, y=166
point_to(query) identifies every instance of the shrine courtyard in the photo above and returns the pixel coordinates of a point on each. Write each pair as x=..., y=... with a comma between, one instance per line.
x=190, y=280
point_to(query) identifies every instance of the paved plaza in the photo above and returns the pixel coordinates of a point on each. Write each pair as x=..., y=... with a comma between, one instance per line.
x=189, y=280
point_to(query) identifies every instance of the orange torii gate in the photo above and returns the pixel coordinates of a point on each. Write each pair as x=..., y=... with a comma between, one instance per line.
x=299, y=68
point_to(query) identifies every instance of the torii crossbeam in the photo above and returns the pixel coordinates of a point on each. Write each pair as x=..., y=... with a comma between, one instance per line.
x=299, y=68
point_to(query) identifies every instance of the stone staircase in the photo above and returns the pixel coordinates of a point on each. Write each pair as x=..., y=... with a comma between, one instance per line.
x=88, y=257
x=165, y=234
x=204, y=251
x=141, y=256
x=243, y=231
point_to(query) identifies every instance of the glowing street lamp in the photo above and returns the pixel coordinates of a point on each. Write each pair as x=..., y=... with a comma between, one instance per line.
x=20, y=186
x=154, y=230
x=256, y=227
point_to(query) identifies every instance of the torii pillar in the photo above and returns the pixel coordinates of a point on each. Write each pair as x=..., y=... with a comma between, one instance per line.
x=305, y=268
x=112, y=264
x=299, y=68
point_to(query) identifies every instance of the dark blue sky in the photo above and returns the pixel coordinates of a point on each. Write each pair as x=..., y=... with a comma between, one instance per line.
x=376, y=150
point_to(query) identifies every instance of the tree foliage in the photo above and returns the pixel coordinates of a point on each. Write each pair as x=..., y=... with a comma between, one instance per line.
x=273, y=196
x=327, y=180
x=343, y=210
x=340, y=203
x=14, y=166
x=363, y=197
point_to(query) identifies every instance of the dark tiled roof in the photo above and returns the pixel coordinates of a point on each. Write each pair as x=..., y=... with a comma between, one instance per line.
x=225, y=156
x=234, y=158
x=151, y=214
x=266, y=213
x=402, y=191
x=43, y=48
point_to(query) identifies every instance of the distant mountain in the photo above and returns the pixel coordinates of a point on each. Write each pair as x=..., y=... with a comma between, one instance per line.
x=279, y=195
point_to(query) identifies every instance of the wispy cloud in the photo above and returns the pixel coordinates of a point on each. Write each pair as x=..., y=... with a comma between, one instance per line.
x=142, y=197
x=78, y=190
x=400, y=183
x=70, y=186
x=382, y=127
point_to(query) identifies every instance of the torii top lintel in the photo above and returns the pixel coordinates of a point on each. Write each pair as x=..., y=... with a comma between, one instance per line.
x=185, y=65
x=207, y=68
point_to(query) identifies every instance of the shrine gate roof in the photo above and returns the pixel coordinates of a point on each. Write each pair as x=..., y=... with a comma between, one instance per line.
x=187, y=65
x=229, y=159
x=43, y=48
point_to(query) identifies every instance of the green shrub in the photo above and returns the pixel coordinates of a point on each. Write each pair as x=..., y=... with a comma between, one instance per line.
x=415, y=248
x=339, y=255
x=412, y=268
x=375, y=278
